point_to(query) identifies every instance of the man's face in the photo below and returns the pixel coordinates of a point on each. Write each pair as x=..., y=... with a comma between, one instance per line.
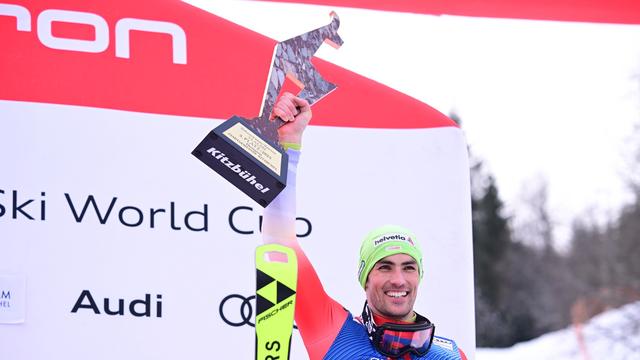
x=392, y=286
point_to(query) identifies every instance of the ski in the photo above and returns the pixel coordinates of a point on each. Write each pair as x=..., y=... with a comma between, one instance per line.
x=276, y=280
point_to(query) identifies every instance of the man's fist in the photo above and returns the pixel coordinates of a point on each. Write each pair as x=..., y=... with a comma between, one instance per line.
x=296, y=112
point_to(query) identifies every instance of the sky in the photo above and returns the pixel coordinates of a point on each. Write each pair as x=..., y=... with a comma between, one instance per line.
x=540, y=101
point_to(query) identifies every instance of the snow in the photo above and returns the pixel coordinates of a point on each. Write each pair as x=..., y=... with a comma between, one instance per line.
x=612, y=335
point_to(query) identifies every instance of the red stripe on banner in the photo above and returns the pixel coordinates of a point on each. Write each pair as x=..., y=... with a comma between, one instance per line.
x=226, y=71
x=76, y=52
x=605, y=11
x=364, y=103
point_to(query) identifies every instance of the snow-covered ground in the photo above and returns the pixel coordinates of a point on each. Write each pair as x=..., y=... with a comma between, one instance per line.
x=612, y=335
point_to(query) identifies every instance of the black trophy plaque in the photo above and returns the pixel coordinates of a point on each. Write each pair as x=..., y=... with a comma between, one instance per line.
x=246, y=152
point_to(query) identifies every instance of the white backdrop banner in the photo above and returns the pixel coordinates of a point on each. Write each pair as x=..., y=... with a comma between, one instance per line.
x=115, y=242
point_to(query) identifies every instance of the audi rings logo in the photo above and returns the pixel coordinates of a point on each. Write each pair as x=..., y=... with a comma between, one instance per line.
x=237, y=310
x=228, y=312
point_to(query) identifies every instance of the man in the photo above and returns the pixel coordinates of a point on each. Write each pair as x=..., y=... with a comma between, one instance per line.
x=390, y=270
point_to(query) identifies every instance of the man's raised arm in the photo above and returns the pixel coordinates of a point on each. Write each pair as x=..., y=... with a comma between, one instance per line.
x=319, y=317
x=280, y=216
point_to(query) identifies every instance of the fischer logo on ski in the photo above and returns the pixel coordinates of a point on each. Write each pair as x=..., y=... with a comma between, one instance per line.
x=276, y=281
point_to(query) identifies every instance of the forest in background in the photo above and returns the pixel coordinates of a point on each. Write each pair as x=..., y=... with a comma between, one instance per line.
x=526, y=287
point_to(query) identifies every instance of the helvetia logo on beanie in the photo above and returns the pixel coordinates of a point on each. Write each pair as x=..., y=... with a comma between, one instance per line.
x=396, y=237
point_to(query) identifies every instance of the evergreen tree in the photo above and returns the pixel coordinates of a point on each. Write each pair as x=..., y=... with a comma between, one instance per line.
x=491, y=236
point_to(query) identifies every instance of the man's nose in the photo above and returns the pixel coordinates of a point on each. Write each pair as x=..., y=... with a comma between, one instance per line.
x=397, y=277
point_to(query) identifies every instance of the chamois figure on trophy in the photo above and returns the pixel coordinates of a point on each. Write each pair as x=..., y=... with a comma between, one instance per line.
x=293, y=61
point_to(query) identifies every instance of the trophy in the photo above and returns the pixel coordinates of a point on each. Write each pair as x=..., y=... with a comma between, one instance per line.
x=246, y=152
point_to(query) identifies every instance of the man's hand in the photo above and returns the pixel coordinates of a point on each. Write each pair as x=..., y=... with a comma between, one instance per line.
x=296, y=112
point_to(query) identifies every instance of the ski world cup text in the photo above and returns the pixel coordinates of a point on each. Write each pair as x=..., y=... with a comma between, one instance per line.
x=15, y=205
x=18, y=205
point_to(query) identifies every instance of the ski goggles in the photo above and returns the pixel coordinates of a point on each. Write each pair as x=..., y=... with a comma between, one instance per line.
x=395, y=340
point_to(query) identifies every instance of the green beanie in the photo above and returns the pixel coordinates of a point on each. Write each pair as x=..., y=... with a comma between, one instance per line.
x=385, y=241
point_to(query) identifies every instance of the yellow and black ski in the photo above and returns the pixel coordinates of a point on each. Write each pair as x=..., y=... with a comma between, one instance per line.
x=276, y=280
